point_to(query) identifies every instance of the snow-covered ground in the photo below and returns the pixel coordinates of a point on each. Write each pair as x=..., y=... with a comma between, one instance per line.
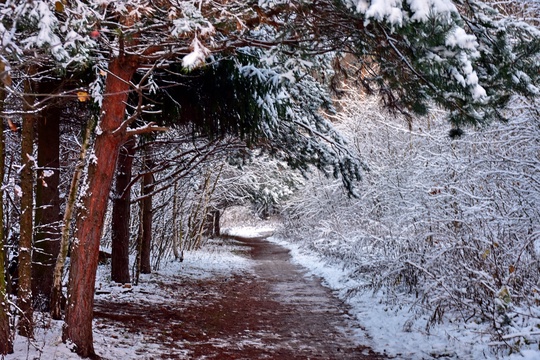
x=112, y=342
x=388, y=329
x=391, y=329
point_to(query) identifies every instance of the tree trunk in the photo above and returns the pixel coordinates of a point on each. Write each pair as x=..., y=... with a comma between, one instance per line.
x=146, y=216
x=176, y=231
x=121, y=214
x=56, y=296
x=24, y=293
x=216, y=218
x=85, y=250
x=6, y=341
x=47, y=217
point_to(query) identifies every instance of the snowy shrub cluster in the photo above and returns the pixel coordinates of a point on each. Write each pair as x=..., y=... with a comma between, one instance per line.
x=448, y=223
x=259, y=182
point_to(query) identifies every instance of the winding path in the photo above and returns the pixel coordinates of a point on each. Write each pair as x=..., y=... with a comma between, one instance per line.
x=276, y=312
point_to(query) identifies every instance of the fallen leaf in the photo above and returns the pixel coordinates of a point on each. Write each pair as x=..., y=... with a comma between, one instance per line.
x=83, y=96
x=58, y=6
x=12, y=126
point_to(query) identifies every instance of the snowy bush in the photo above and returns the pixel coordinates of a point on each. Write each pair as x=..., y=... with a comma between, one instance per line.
x=448, y=224
x=259, y=182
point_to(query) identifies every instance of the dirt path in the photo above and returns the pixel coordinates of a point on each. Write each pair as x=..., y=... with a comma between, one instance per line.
x=273, y=313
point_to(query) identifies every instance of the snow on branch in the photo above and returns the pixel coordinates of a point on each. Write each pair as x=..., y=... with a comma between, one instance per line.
x=148, y=128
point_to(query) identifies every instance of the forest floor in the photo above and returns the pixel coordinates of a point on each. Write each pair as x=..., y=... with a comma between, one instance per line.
x=273, y=311
x=237, y=298
x=244, y=297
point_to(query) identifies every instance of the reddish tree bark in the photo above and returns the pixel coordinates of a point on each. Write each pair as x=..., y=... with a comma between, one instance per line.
x=121, y=214
x=47, y=215
x=85, y=247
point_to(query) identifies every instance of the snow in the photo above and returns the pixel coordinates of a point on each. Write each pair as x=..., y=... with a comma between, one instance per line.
x=467, y=46
x=112, y=342
x=459, y=38
x=48, y=173
x=525, y=355
x=392, y=10
x=47, y=22
x=362, y=6
x=388, y=329
x=213, y=259
x=197, y=56
x=250, y=231
x=391, y=329
x=93, y=158
x=389, y=9
x=191, y=22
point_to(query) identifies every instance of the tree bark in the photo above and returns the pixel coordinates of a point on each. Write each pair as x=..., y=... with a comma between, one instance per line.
x=176, y=231
x=85, y=247
x=6, y=341
x=56, y=296
x=47, y=216
x=24, y=293
x=216, y=218
x=121, y=214
x=146, y=215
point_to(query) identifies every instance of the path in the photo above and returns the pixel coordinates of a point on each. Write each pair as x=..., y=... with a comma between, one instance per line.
x=274, y=313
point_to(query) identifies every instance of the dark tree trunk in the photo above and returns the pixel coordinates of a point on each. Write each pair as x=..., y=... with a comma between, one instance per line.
x=47, y=221
x=6, y=342
x=121, y=214
x=85, y=250
x=146, y=217
x=24, y=293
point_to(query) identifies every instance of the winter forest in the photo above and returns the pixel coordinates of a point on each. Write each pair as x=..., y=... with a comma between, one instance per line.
x=391, y=146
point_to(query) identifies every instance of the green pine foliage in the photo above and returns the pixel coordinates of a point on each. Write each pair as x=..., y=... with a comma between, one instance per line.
x=465, y=57
x=244, y=97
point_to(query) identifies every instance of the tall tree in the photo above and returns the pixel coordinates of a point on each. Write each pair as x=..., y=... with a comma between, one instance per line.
x=121, y=213
x=6, y=340
x=24, y=294
x=85, y=248
x=47, y=214
x=57, y=295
